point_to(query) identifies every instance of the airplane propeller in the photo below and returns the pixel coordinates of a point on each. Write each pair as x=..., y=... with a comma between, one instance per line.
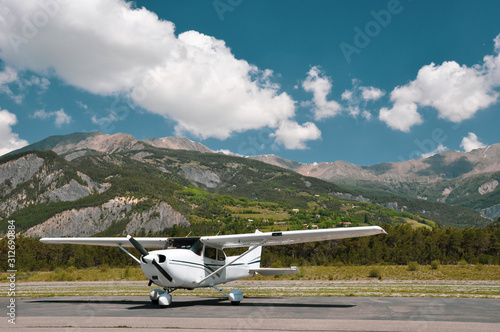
x=147, y=257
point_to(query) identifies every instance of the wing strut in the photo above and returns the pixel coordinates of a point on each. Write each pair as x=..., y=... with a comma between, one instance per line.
x=128, y=253
x=231, y=263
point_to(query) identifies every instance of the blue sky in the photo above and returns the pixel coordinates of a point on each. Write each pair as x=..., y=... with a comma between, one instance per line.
x=314, y=81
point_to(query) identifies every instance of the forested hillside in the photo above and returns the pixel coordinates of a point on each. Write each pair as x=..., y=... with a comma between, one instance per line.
x=141, y=190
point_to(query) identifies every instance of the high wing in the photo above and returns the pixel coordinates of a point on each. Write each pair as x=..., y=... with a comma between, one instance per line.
x=288, y=237
x=148, y=242
x=231, y=241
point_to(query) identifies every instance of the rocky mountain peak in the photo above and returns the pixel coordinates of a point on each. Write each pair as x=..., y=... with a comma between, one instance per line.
x=177, y=143
x=78, y=144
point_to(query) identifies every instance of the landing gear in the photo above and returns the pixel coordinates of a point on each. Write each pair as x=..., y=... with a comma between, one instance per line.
x=165, y=300
x=161, y=296
x=235, y=296
x=154, y=295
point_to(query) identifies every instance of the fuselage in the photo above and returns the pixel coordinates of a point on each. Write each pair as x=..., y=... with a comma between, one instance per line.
x=187, y=268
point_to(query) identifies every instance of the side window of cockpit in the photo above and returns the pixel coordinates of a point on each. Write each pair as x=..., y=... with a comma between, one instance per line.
x=197, y=248
x=210, y=252
x=220, y=256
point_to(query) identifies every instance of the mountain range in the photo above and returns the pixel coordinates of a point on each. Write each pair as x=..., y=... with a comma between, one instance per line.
x=468, y=179
x=85, y=184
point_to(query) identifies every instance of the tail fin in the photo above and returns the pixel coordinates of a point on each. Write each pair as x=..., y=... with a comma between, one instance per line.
x=253, y=257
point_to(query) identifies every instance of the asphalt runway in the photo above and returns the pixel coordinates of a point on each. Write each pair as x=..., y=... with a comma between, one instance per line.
x=254, y=314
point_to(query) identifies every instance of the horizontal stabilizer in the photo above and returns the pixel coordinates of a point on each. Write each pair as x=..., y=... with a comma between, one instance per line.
x=273, y=272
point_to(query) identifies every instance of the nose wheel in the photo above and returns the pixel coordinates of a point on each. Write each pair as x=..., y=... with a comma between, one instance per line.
x=161, y=297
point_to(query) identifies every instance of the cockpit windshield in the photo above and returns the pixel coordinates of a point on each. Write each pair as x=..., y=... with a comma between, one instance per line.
x=189, y=243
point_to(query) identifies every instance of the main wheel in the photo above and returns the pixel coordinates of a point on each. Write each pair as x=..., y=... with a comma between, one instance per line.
x=165, y=300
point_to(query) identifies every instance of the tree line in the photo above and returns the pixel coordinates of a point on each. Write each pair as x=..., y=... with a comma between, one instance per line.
x=401, y=245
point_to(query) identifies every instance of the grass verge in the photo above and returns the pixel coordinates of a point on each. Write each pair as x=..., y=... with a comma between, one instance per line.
x=446, y=281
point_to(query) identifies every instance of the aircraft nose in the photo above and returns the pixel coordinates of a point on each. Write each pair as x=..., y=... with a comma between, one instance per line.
x=149, y=258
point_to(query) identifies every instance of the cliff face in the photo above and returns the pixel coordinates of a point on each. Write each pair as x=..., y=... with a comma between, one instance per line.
x=15, y=172
x=35, y=182
x=116, y=212
x=31, y=179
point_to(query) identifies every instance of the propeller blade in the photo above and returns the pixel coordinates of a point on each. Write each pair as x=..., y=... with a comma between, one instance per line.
x=144, y=252
x=162, y=271
x=137, y=245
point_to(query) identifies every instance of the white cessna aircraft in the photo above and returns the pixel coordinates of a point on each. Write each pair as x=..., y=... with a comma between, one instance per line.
x=192, y=262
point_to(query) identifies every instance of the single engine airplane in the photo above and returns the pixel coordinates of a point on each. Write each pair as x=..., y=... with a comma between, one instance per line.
x=193, y=262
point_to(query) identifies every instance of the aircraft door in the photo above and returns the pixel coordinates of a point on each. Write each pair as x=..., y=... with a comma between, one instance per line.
x=214, y=259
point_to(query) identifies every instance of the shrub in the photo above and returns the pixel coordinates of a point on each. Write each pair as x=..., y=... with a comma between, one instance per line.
x=413, y=266
x=462, y=263
x=435, y=264
x=62, y=276
x=375, y=273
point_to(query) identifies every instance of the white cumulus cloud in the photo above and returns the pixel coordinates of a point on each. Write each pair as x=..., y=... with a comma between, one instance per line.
x=471, y=142
x=320, y=86
x=358, y=97
x=401, y=116
x=456, y=91
x=440, y=148
x=371, y=93
x=60, y=117
x=8, y=76
x=111, y=48
x=9, y=141
x=293, y=135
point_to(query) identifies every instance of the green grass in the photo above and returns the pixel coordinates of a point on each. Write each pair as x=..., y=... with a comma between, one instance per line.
x=102, y=273
x=472, y=281
x=324, y=273
x=260, y=212
x=416, y=224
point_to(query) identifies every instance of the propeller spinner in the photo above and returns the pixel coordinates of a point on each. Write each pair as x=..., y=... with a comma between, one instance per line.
x=147, y=257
